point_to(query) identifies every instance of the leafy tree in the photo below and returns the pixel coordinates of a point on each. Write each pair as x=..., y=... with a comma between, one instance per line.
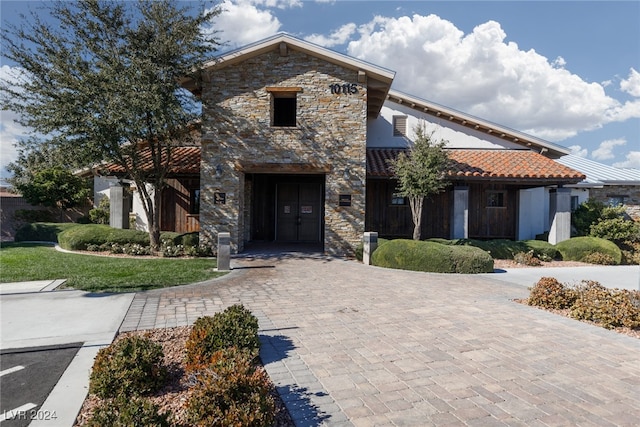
x=102, y=81
x=421, y=172
x=585, y=215
x=55, y=187
x=612, y=225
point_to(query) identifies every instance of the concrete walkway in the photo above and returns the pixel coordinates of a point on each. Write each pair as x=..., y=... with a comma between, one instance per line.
x=349, y=344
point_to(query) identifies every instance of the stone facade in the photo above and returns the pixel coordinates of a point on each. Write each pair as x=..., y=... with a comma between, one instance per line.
x=631, y=194
x=237, y=138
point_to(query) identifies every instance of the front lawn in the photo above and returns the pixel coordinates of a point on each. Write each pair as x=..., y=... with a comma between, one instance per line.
x=24, y=262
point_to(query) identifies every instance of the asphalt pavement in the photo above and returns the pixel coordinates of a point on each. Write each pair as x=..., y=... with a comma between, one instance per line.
x=34, y=314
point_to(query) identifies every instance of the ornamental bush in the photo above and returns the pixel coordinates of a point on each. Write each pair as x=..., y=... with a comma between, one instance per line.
x=577, y=248
x=231, y=391
x=608, y=307
x=430, y=256
x=132, y=366
x=42, y=231
x=128, y=412
x=550, y=293
x=234, y=327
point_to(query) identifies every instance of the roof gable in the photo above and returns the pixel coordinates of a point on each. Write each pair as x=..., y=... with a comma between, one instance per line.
x=377, y=79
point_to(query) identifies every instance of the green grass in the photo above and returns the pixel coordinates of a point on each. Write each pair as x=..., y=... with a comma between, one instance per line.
x=24, y=262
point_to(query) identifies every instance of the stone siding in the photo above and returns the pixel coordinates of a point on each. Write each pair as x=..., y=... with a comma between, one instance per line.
x=631, y=195
x=237, y=135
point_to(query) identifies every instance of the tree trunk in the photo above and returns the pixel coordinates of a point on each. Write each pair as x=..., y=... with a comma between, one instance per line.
x=154, y=228
x=416, y=203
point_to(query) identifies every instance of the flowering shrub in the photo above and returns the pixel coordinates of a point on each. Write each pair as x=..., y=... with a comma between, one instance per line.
x=550, y=293
x=527, y=258
x=231, y=391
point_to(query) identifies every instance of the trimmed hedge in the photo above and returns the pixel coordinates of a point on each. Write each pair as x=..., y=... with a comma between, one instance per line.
x=507, y=249
x=81, y=236
x=360, y=248
x=432, y=257
x=580, y=248
x=42, y=231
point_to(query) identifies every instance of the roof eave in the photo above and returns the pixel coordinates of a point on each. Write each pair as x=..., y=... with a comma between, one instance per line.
x=545, y=148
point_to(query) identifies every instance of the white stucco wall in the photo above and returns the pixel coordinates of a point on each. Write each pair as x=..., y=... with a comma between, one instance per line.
x=101, y=186
x=380, y=130
x=533, y=213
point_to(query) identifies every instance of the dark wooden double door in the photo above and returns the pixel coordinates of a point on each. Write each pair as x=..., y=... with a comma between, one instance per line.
x=287, y=208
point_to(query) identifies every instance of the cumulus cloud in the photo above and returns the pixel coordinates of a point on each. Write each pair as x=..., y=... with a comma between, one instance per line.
x=578, y=150
x=244, y=21
x=336, y=38
x=482, y=74
x=605, y=150
x=632, y=160
x=632, y=84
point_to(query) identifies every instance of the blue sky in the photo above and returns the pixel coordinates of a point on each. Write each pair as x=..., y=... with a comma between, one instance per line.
x=567, y=72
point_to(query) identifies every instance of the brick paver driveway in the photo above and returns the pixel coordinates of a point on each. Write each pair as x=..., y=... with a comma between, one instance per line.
x=349, y=344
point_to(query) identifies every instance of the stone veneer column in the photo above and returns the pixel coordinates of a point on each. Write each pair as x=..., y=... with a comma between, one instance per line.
x=560, y=215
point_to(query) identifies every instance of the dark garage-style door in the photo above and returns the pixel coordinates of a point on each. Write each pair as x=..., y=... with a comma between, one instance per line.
x=298, y=212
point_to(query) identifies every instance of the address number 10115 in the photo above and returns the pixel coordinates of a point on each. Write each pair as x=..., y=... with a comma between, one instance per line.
x=347, y=88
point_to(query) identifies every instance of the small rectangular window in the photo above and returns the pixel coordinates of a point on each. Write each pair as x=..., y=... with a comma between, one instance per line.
x=284, y=109
x=574, y=203
x=616, y=200
x=399, y=125
x=495, y=199
x=194, y=205
x=398, y=199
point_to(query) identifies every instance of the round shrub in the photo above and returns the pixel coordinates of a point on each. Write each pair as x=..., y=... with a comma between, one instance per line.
x=42, y=231
x=432, y=257
x=360, y=248
x=608, y=307
x=527, y=258
x=549, y=293
x=79, y=237
x=234, y=327
x=544, y=251
x=127, y=412
x=231, y=392
x=599, y=258
x=577, y=248
x=130, y=366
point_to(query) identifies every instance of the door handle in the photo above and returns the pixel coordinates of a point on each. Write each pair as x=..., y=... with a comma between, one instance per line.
x=299, y=220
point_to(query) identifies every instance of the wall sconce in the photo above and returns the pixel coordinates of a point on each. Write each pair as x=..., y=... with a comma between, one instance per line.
x=218, y=171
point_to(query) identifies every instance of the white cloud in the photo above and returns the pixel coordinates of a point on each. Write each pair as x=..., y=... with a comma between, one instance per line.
x=338, y=37
x=632, y=160
x=578, y=150
x=632, y=84
x=605, y=150
x=242, y=21
x=482, y=74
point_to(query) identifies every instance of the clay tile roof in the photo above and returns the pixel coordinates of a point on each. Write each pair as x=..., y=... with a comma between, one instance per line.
x=185, y=160
x=486, y=164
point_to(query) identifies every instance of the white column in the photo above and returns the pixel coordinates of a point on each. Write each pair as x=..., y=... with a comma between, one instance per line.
x=370, y=245
x=460, y=223
x=560, y=215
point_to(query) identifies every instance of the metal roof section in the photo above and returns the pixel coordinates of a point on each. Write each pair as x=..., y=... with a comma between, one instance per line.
x=377, y=79
x=528, y=141
x=599, y=174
